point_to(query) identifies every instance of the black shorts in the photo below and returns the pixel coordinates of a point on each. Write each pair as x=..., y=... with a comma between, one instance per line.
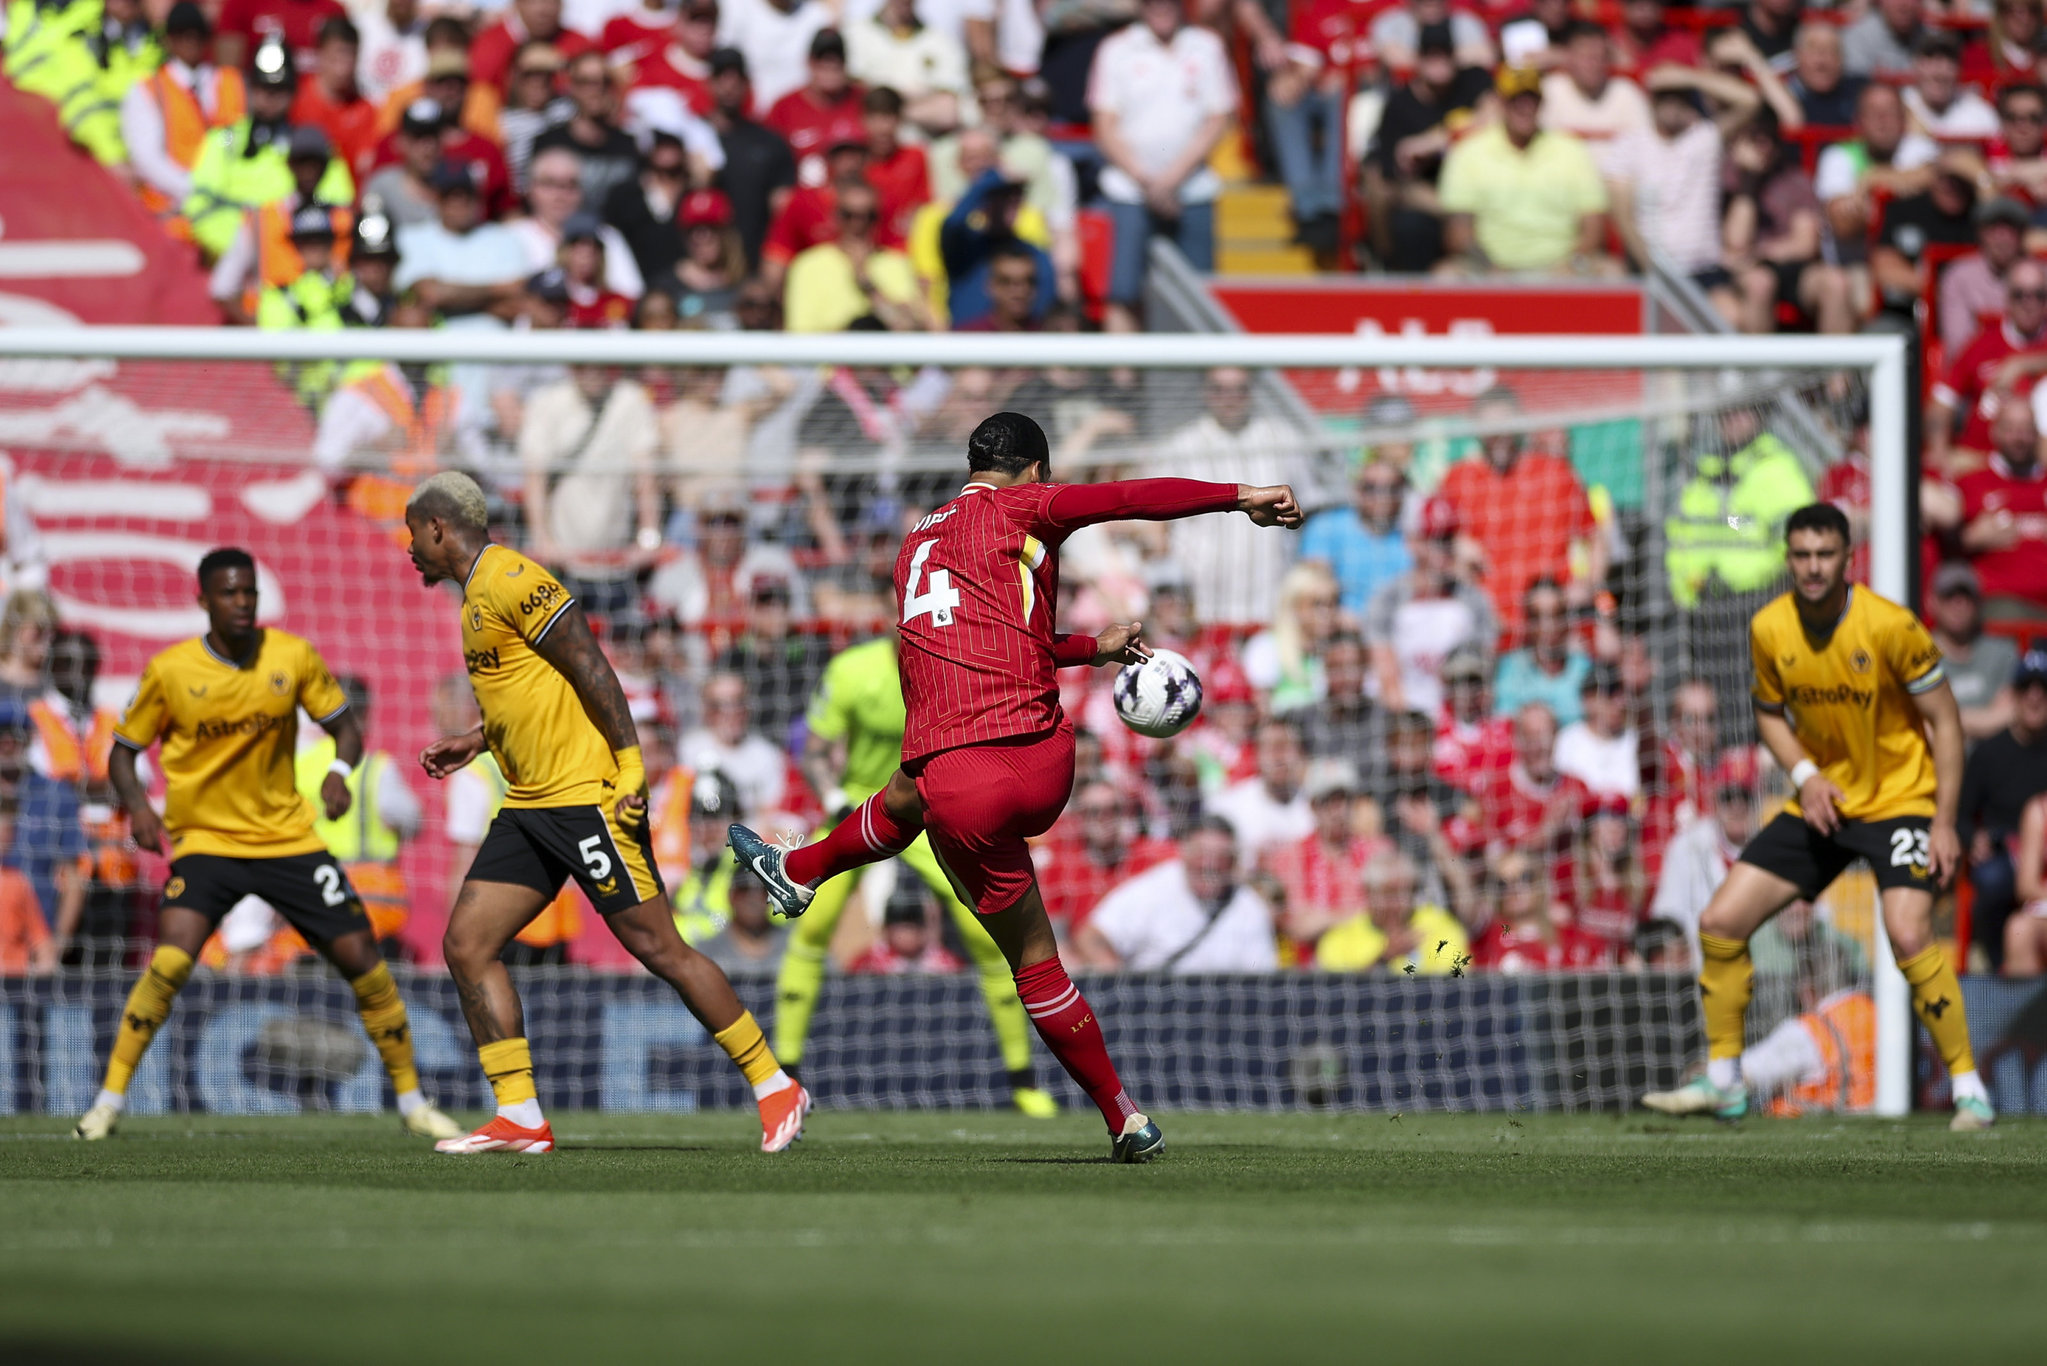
x=1810, y=861
x=308, y=890
x=544, y=846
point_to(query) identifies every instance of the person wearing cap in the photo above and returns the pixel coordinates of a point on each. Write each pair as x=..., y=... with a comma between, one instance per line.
x=329, y=99
x=1696, y=860
x=906, y=944
x=607, y=153
x=556, y=197
x=1882, y=41
x=759, y=175
x=1519, y=197
x=166, y=116
x=524, y=20
x=444, y=77
x=808, y=214
x=2003, y=774
x=1974, y=286
x=897, y=50
x=1439, y=100
x=2000, y=369
x=533, y=104
x=1417, y=618
x=248, y=165
x=807, y=117
x=245, y=25
x=1979, y=665
x=264, y=252
x=774, y=37
x=405, y=187
x=1161, y=93
x=373, y=261
x=1474, y=743
x=313, y=297
x=1600, y=749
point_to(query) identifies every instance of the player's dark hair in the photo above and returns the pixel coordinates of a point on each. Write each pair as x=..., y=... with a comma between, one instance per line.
x=1008, y=443
x=226, y=557
x=1819, y=517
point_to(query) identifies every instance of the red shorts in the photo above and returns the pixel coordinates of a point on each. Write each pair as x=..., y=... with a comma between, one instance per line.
x=981, y=802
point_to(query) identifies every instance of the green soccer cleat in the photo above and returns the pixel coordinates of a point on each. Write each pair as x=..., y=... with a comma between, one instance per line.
x=1700, y=1096
x=97, y=1123
x=1035, y=1102
x=1140, y=1141
x=1972, y=1116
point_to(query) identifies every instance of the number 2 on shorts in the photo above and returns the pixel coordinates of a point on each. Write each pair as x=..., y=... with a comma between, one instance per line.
x=329, y=878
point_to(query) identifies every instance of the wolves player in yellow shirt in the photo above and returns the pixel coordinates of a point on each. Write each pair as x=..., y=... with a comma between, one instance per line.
x=226, y=708
x=1848, y=688
x=557, y=722
x=856, y=722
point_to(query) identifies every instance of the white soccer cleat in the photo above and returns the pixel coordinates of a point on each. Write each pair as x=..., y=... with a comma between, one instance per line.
x=501, y=1136
x=97, y=1123
x=430, y=1121
x=1972, y=1116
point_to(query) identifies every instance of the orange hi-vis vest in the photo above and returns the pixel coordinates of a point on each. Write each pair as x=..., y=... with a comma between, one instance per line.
x=668, y=808
x=81, y=759
x=278, y=262
x=1844, y=1028
x=186, y=124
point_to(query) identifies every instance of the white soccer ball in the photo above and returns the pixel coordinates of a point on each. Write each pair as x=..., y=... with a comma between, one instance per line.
x=1159, y=697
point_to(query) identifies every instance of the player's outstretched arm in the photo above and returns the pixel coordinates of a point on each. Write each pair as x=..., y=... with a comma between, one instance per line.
x=572, y=649
x=1270, y=504
x=143, y=822
x=1943, y=717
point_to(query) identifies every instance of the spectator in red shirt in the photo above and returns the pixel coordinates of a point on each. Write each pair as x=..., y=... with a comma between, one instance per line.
x=491, y=55
x=898, y=171
x=2009, y=51
x=1677, y=790
x=1532, y=806
x=1473, y=746
x=906, y=944
x=810, y=216
x=1096, y=847
x=1609, y=887
x=1523, y=936
x=676, y=57
x=2004, y=519
x=1643, y=41
x=809, y=116
x=1525, y=508
x=1323, y=874
x=245, y=23
x=328, y=97
x=1979, y=383
x=633, y=35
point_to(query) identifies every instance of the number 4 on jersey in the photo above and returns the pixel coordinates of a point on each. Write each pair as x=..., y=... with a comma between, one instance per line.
x=939, y=599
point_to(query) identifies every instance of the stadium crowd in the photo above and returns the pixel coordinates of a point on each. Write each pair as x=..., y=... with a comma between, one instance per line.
x=1434, y=738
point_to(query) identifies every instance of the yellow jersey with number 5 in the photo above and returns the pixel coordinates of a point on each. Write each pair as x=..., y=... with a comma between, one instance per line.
x=1848, y=697
x=230, y=732
x=546, y=745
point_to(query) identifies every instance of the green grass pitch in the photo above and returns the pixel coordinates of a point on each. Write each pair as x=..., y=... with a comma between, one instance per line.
x=974, y=1237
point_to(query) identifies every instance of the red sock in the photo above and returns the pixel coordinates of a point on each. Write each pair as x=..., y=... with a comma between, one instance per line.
x=1068, y=1027
x=867, y=836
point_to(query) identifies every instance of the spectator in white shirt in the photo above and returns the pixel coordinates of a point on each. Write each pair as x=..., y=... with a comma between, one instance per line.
x=1269, y=811
x=775, y=37
x=393, y=49
x=1665, y=182
x=925, y=65
x=1190, y=915
x=167, y=180
x=727, y=742
x=1601, y=750
x=1583, y=97
x=1161, y=92
x=1695, y=863
x=587, y=444
x=1940, y=105
x=555, y=196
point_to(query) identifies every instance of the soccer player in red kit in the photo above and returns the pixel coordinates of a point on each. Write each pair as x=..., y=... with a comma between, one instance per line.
x=988, y=754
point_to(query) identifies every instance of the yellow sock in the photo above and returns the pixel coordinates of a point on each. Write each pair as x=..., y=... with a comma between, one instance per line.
x=508, y=1064
x=383, y=1019
x=797, y=985
x=1937, y=1001
x=149, y=1005
x=1727, y=979
x=744, y=1043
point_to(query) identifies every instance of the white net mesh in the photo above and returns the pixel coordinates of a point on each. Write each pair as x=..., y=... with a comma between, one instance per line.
x=1515, y=628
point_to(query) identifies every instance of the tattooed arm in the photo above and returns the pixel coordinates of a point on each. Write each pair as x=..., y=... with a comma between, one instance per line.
x=571, y=648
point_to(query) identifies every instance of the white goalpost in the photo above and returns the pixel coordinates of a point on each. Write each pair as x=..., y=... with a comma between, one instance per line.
x=125, y=441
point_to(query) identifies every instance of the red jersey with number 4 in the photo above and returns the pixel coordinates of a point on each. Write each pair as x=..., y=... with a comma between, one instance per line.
x=975, y=586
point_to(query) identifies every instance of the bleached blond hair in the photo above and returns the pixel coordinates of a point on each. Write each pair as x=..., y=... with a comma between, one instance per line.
x=453, y=497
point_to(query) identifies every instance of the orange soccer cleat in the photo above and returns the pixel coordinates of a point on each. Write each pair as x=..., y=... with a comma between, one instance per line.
x=501, y=1136
x=782, y=1117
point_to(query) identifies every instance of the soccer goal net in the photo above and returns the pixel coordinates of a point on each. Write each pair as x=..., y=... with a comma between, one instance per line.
x=1479, y=733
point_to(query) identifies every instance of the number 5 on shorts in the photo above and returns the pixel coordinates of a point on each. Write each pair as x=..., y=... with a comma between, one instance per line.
x=595, y=859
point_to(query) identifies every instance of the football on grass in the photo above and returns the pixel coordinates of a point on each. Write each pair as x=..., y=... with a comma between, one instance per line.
x=1159, y=697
